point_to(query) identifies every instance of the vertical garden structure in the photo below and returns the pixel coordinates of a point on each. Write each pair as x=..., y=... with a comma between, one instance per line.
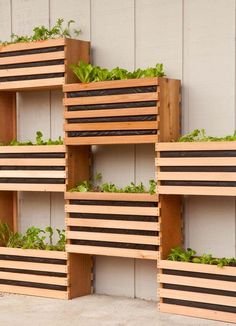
x=36, y=66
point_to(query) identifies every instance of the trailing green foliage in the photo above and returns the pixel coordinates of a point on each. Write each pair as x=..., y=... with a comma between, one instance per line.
x=95, y=185
x=189, y=255
x=34, y=238
x=199, y=135
x=88, y=73
x=38, y=141
x=41, y=33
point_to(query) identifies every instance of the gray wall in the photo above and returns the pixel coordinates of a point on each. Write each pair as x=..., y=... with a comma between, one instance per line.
x=195, y=39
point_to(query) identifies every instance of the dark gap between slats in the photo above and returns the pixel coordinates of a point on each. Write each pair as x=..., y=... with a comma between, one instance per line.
x=113, y=119
x=114, y=245
x=26, y=271
x=32, y=155
x=115, y=231
x=32, y=168
x=124, y=105
x=200, y=183
x=209, y=276
x=219, y=153
x=117, y=217
x=33, y=259
x=199, y=290
x=32, y=51
x=33, y=181
x=113, y=203
x=206, y=306
x=31, y=77
x=33, y=64
x=113, y=91
x=111, y=133
x=34, y=285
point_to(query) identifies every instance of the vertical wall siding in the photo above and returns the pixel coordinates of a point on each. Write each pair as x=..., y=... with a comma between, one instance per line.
x=196, y=42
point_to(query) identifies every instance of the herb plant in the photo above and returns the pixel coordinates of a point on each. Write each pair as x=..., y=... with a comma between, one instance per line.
x=38, y=141
x=189, y=255
x=88, y=73
x=95, y=185
x=41, y=33
x=33, y=238
x=199, y=135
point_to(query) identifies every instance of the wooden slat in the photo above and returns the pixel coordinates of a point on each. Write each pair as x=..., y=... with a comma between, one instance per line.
x=32, y=71
x=32, y=174
x=200, y=268
x=198, y=297
x=33, y=149
x=195, y=176
x=124, y=98
x=112, y=237
x=34, y=278
x=125, y=210
x=139, y=139
x=198, y=190
x=113, y=224
x=198, y=312
x=196, y=161
x=112, y=196
x=130, y=125
x=110, y=112
x=32, y=45
x=117, y=252
x=33, y=253
x=32, y=161
x=34, y=291
x=197, y=146
x=110, y=84
x=197, y=282
x=39, y=84
x=33, y=266
x=32, y=187
x=57, y=55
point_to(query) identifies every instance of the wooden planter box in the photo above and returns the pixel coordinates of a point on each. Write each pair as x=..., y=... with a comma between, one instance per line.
x=198, y=290
x=113, y=224
x=204, y=168
x=42, y=64
x=32, y=168
x=142, y=110
x=44, y=273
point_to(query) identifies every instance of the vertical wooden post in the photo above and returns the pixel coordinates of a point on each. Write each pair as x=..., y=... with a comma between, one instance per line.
x=8, y=199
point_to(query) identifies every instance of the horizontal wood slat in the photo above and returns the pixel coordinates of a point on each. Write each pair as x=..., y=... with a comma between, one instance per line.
x=32, y=161
x=195, y=176
x=111, y=84
x=118, y=252
x=45, y=83
x=124, y=98
x=198, y=297
x=191, y=190
x=32, y=187
x=32, y=58
x=111, y=126
x=110, y=112
x=32, y=174
x=125, y=210
x=113, y=224
x=196, y=146
x=197, y=312
x=196, y=161
x=33, y=253
x=31, y=266
x=142, y=139
x=33, y=149
x=34, y=291
x=112, y=196
x=32, y=45
x=32, y=71
x=110, y=237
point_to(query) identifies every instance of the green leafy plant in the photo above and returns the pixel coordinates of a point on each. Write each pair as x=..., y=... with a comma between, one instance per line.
x=33, y=238
x=199, y=135
x=96, y=186
x=41, y=33
x=38, y=141
x=87, y=73
x=189, y=255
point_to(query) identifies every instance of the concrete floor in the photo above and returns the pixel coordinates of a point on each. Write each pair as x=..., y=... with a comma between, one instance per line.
x=93, y=310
